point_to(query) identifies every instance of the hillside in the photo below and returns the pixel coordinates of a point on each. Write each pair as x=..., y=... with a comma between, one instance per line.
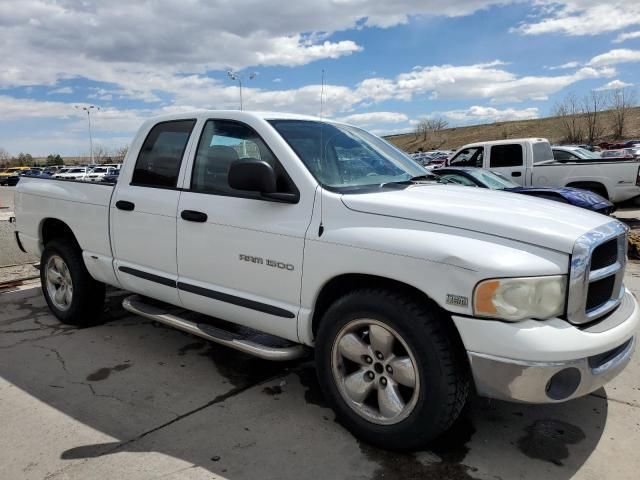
x=549, y=127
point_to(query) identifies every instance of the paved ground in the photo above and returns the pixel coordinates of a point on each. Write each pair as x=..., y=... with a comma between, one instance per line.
x=132, y=399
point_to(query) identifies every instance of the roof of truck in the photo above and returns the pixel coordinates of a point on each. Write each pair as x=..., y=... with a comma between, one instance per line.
x=507, y=141
x=236, y=114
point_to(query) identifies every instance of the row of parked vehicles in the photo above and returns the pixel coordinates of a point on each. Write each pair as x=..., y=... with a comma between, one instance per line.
x=91, y=173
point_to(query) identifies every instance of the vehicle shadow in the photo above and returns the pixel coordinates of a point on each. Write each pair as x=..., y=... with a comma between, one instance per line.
x=154, y=389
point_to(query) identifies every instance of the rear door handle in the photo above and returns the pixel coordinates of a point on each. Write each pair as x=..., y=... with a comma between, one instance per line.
x=193, y=216
x=516, y=174
x=124, y=205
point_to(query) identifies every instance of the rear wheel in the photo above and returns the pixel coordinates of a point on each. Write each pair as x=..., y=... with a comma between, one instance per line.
x=72, y=294
x=391, y=368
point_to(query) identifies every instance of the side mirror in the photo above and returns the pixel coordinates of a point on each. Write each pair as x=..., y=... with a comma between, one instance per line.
x=252, y=175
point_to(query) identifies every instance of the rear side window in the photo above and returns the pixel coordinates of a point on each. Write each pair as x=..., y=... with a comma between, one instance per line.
x=159, y=160
x=506, y=156
x=542, y=152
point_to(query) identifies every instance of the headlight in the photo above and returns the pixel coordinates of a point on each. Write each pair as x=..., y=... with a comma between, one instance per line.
x=519, y=298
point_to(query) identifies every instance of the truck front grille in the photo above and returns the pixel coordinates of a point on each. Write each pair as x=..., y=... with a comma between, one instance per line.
x=597, y=270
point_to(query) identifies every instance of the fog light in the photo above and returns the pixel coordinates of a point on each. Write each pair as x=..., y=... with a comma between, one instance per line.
x=563, y=384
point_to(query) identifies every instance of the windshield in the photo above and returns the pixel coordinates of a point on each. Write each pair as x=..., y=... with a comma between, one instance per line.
x=493, y=180
x=584, y=153
x=342, y=157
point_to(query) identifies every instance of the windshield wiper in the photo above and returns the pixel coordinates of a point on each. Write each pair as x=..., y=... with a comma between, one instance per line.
x=417, y=178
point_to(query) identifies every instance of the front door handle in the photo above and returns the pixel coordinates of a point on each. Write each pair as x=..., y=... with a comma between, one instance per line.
x=516, y=174
x=193, y=216
x=125, y=205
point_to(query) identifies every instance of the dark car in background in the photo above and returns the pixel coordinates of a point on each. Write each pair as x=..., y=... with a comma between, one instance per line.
x=111, y=178
x=479, y=177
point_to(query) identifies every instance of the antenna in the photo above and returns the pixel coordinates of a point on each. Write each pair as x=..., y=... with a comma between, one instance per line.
x=322, y=93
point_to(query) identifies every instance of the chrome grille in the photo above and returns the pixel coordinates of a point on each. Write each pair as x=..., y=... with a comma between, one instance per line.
x=597, y=270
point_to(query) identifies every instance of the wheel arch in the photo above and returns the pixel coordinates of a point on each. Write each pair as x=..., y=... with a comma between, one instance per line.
x=55, y=229
x=342, y=284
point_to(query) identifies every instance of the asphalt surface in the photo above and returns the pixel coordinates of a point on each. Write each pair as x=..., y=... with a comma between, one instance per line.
x=133, y=399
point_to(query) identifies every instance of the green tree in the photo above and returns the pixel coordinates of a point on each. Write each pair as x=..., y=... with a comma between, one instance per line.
x=54, y=159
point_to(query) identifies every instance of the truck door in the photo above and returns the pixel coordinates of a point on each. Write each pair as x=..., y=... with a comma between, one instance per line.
x=240, y=255
x=509, y=160
x=143, y=213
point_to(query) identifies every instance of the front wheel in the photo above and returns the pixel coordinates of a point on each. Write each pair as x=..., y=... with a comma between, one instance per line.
x=391, y=368
x=72, y=294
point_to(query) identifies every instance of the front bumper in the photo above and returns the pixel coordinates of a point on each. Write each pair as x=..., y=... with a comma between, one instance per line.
x=552, y=361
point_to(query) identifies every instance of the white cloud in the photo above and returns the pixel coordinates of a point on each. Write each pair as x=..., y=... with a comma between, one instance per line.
x=618, y=55
x=482, y=114
x=565, y=66
x=62, y=90
x=374, y=118
x=581, y=17
x=623, y=37
x=613, y=85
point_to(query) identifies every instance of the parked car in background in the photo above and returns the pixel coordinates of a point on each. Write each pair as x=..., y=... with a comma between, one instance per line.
x=479, y=177
x=111, y=178
x=617, y=154
x=97, y=174
x=72, y=173
x=530, y=161
x=633, y=151
x=10, y=172
x=570, y=153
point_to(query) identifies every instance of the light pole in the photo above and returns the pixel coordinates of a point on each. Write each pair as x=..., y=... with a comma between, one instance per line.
x=88, y=108
x=236, y=76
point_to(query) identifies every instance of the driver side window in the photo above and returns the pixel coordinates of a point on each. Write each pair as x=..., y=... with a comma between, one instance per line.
x=223, y=142
x=469, y=157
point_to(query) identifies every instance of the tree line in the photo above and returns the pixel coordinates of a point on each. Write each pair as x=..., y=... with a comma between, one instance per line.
x=596, y=116
x=100, y=155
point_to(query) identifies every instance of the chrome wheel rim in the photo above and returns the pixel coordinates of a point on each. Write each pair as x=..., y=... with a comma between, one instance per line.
x=375, y=371
x=59, y=283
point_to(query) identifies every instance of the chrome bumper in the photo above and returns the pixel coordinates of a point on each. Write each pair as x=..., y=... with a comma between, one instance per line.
x=547, y=382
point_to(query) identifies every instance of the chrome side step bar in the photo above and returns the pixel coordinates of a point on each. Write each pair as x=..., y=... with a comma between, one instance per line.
x=135, y=304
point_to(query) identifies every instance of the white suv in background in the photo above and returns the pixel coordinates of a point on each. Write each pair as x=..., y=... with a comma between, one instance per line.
x=98, y=173
x=72, y=173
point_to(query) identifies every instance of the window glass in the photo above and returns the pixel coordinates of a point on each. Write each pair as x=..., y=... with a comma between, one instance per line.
x=563, y=155
x=469, y=157
x=161, y=154
x=222, y=142
x=346, y=158
x=506, y=156
x=493, y=180
x=542, y=152
x=459, y=179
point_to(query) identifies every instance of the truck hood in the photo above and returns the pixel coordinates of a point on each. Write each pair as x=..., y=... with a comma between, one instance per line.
x=514, y=216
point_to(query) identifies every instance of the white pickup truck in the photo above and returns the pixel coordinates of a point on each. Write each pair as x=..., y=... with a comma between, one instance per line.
x=530, y=161
x=291, y=232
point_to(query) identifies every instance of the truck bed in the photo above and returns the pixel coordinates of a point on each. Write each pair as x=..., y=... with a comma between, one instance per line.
x=83, y=206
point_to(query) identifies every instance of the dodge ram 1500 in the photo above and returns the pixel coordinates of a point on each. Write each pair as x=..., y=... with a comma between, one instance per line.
x=284, y=232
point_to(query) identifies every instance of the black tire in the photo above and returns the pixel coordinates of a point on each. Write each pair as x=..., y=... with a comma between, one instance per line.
x=442, y=367
x=86, y=306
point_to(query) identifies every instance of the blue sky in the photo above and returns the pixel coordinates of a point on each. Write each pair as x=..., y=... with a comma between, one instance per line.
x=387, y=64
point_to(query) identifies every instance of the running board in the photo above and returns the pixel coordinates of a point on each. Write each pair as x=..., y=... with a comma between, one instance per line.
x=136, y=304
